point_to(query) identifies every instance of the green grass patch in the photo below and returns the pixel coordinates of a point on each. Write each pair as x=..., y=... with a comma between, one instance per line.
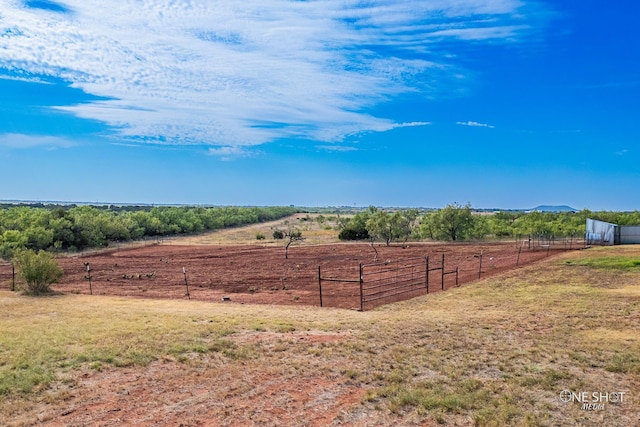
x=625, y=263
x=436, y=398
x=627, y=363
x=24, y=378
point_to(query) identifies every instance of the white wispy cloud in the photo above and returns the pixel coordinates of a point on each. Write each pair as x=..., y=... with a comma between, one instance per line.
x=230, y=152
x=411, y=124
x=241, y=73
x=18, y=140
x=25, y=79
x=337, y=148
x=622, y=152
x=475, y=124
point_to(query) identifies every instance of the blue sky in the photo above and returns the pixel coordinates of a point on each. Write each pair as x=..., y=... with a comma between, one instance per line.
x=499, y=103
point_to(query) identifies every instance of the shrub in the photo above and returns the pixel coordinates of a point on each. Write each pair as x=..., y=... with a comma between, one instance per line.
x=260, y=236
x=353, y=234
x=37, y=270
x=278, y=235
x=356, y=227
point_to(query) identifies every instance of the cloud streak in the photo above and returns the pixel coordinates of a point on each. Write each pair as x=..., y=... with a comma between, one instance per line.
x=233, y=74
x=337, y=148
x=475, y=124
x=17, y=140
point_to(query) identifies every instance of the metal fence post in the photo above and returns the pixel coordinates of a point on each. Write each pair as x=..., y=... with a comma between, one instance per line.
x=426, y=274
x=320, y=285
x=184, y=271
x=89, y=278
x=443, y=272
x=361, y=290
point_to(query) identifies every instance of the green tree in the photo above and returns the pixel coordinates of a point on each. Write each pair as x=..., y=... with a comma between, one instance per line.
x=536, y=225
x=354, y=228
x=453, y=222
x=89, y=227
x=405, y=223
x=480, y=228
x=380, y=226
x=428, y=229
x=37, y=270
x=500, y=224
x=62, y=226
x=12, y=241
x=39, y=237
x=389, y=226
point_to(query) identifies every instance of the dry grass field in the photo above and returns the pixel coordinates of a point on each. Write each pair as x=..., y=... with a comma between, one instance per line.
x=314, y=232
x=495, y=352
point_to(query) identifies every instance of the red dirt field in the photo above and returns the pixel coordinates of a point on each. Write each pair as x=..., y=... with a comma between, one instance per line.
x=261, y=274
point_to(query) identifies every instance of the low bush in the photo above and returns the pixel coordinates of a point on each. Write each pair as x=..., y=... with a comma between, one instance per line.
x=37, y=270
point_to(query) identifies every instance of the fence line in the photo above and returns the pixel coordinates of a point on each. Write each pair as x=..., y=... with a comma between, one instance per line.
x=375, y=284
x=391, y=281
x=330, y=279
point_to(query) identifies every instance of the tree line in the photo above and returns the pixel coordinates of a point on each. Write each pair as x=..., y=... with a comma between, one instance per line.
x=459, y=222
x=76, y=228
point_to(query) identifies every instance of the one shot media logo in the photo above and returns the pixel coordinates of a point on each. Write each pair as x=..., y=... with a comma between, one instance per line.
x=592, y=401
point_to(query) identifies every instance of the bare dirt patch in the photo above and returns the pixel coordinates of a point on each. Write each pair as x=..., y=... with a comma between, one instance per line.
x=306, y=336
x=169, y=393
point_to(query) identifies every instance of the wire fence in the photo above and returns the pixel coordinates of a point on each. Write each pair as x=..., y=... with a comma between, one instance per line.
x=332, y=276
x=397, y=280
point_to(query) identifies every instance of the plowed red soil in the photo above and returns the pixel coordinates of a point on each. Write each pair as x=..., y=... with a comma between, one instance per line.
x=261, y=274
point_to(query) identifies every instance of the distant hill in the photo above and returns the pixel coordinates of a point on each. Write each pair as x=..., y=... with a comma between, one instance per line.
x=552, y=208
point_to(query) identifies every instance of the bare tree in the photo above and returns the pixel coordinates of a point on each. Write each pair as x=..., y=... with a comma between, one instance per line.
x=291, y=236
x=372, y=239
